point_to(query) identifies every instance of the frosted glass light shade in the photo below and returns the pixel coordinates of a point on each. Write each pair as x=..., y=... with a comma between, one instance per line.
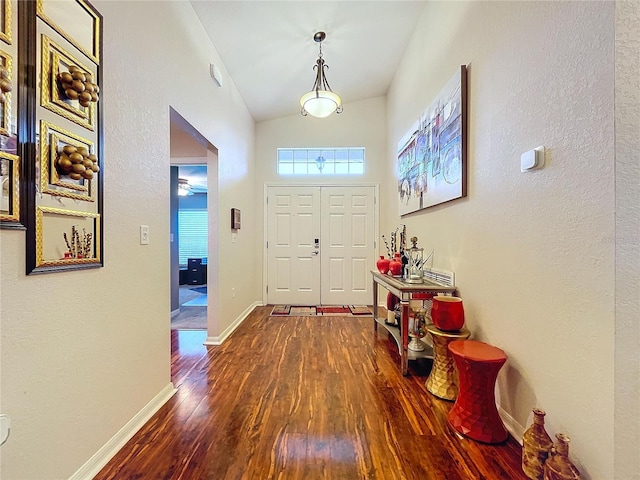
x=320, y=103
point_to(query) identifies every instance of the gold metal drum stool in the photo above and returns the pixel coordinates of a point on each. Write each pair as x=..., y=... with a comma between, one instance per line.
x=443, y=379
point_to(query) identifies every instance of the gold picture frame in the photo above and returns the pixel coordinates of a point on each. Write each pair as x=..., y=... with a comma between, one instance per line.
x=51, y=14
x=62, y=222
x=50, y=180
x=53, y=56
x=5, y=115
x=5, y=21
x=9, y=184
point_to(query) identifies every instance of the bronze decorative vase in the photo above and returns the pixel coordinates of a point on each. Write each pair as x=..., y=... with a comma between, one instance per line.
x=558, y=466
x=536, y=445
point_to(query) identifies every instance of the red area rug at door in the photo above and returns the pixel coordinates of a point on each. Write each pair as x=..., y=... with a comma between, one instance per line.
x=319, y=310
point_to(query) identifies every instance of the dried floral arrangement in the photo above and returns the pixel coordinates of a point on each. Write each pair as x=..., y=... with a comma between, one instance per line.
x=80, y=247
x=395, y=246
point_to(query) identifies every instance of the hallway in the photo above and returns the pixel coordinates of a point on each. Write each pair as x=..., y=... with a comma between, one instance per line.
x=303, y=397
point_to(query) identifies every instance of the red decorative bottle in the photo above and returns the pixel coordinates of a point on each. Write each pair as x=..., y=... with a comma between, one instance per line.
x=395, y=266
x=383, y=264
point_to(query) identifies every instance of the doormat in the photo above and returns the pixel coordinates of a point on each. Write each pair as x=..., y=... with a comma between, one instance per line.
x=319, y=310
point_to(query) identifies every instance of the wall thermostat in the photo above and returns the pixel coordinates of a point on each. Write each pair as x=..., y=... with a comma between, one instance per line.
x=532, y=159
x=216, y=74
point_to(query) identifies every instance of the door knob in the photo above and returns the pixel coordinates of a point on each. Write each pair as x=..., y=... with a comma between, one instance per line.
x=316, y=252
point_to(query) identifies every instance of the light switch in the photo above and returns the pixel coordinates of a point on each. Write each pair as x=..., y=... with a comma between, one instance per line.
x=144, y=234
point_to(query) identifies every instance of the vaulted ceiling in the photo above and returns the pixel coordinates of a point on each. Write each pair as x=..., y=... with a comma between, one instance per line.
x=269, y=51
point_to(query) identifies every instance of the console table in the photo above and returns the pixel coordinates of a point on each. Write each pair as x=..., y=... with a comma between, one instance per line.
x=404, y=292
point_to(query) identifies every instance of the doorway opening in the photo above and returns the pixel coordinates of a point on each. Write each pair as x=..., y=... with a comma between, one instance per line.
x=193, y=169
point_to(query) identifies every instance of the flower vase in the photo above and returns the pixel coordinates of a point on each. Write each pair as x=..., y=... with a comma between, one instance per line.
x=383, y=264
x=536, y=445
x=395, y=266
x=417, y=327
x=558, y=466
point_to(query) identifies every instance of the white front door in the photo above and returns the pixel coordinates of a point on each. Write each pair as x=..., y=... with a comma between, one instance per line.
x=348, y=250
x=333, y=271
x=293, y=260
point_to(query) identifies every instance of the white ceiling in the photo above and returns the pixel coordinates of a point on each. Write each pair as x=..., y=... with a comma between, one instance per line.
x=268, y=48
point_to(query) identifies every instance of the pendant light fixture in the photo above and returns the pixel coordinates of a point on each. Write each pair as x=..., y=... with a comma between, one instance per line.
x=320, y=101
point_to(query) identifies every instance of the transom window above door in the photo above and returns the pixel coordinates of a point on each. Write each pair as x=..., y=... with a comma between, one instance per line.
x=321, y=161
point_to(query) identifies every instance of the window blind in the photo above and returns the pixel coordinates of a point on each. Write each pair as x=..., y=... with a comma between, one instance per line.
x=193, y=234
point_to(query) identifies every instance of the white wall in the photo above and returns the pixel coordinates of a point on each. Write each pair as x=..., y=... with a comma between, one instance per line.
x=533, y=252
x=362, y=124
x=627, y=340
x=75, y=371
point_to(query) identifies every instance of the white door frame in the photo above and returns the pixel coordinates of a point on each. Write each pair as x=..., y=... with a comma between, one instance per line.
x=376, y=220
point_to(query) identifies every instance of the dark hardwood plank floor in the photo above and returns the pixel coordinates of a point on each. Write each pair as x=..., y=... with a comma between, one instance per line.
x=303, y=398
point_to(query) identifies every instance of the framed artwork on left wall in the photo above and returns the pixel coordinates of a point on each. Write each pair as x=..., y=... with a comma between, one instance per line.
x=60, y=134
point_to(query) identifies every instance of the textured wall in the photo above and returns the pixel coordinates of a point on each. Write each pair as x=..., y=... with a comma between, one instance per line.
x=533, y=252
x=627, y=360
x=83, y=352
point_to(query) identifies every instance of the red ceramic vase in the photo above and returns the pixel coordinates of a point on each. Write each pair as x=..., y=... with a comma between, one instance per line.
x=383, y=264
x=395, y=266
x=447, y=313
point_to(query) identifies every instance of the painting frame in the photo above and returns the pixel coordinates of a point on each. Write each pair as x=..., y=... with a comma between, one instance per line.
x=52, y=55
x=432, y=155
x=51, y=134
x=6, y=26
x=43, y=265
x=12, y=183
x=5, y=113
x=94, y=53
x=42, y=253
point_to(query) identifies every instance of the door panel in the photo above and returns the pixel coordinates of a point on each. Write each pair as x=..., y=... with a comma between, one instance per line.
x=342, y=218
x=293, y=224
x=347, y=244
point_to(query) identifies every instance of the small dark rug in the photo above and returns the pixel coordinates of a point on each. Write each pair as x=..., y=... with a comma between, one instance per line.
x=199, y=289
x=319, y=310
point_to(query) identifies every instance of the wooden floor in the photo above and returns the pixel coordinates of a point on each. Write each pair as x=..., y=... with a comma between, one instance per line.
x=303, y=398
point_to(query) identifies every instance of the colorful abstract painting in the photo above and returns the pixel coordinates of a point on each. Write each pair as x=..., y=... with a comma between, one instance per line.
x=432, y=154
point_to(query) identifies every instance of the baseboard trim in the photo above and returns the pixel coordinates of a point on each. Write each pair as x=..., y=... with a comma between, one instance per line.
x=514, y=428
x=97, y=462
x=231, y=328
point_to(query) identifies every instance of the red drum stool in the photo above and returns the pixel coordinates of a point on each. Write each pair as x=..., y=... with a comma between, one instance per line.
x=475, y=414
